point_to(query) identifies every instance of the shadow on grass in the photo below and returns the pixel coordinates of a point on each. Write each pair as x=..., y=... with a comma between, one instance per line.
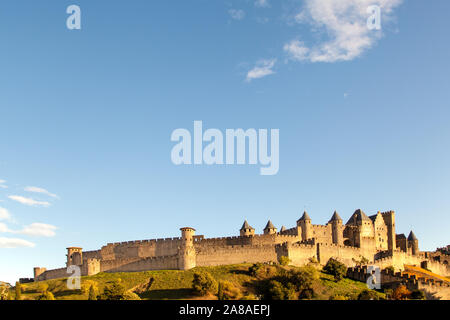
x=170, y=294
x=67, y=293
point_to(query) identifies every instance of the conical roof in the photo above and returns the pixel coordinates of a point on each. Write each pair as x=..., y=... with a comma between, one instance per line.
x=305, y=216
x=359, y=215
x=283, y=228
x=412, y=236
x=246, y=226
x=335, y=217
x=269, y=225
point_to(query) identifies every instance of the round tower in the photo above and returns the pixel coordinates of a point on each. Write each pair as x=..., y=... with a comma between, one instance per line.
x=74, y=256
x=186, y=254
x=247, y=230
x=413, y=243
x=37, y=272
x=336, y=229
x=305, y=224
x=270, y=228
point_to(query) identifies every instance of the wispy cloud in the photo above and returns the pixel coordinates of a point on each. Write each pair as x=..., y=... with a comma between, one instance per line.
x=34, y=229
x=29, y=201
x=38, y=230
x=262, y=69
x=262, y=3
x=40, y=190
x=237, y=14
x=4, y=214
x=344, y=24
x=2, y=184
x=11, y=243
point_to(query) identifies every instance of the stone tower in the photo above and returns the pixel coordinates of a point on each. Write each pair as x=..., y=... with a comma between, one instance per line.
x=74, y=256
x=38, y=271
x=270, y=228
x=186, y=252
x=247, y=230
x=413, y=243
x=389, y=219
x=336, y=229
x=305, y=224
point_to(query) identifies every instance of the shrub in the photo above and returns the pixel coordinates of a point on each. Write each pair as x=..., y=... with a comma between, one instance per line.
x=42, y=287
x=92, y=293
x=336, y=269
x=256, y=269
x=227, y=291
x=131, y=296
x=418, y=295
x=114, y=290
x=18, y=291
x=401, y=293
x=204, y=284
x=278, y=291
x=4, y=292
x=284, y=261
x=368, y=295
x=304, y=277
x=338, y=297
x=47, y=295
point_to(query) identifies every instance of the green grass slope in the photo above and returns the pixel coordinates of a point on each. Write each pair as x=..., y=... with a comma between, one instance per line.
x=175, y=284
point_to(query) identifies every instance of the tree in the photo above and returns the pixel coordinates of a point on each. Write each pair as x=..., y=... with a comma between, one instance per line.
x=114, y=290
x=18, y=291
x=284, y=261
x=204, y=284
x=401, y=293
x=227, y=291
x=368, y=295
x=418, y=295
x=336, y=269
x=92, y=293
x=278, y=291
x=4, y=291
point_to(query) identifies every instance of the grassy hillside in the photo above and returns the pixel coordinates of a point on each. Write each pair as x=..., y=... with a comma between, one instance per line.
x=174, y=284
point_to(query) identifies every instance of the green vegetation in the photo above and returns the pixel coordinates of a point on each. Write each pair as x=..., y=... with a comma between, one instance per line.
x=204, y=284
x=229, y=282
x=284, y=261
x=336, y=269
x=18, y=290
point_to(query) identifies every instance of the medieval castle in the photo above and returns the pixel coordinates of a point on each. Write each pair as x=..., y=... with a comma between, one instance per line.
x=369, y=238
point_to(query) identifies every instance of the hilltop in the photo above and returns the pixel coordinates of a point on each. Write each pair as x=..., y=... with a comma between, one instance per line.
x=177, y=284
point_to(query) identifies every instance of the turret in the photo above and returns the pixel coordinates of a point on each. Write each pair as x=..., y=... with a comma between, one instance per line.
x=270, y=228
x=336, y=229
x=305, y=224
x=74, y=256
x=186, y=253
x=413, y=243
x=37, y=272
x=247, y=230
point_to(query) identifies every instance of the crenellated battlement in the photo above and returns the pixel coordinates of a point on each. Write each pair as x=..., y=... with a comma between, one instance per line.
x=301, y=243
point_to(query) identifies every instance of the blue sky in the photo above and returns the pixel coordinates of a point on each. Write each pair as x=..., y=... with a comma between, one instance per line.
x=86, y=118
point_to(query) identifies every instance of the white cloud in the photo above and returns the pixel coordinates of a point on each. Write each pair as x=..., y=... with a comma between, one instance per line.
x=2, y=184
x=40, y=190
x=345, y=24
x=34, y=229
x=4, y=228
x=4, y=214
x=262, y=3
x=38, y=230
x=29, y=201
x=263, y=68
x=237, y=14
x=11, y=243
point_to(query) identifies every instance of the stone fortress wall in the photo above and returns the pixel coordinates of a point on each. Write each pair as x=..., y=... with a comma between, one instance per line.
x=372, y=238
